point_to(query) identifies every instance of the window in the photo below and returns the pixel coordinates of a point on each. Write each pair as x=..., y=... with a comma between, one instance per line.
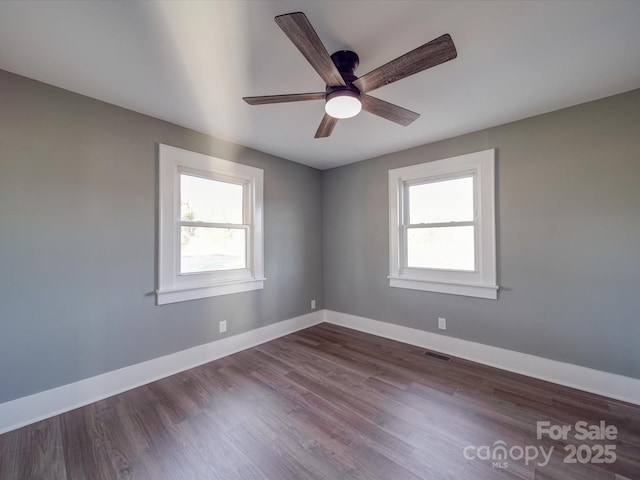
x=442, y=226
x=210, y=227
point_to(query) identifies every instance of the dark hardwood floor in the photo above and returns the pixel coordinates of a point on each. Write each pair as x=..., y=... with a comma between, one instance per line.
x=329, y=403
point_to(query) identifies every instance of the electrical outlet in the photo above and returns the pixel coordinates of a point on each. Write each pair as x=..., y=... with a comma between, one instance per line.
x=313, y=304
x=223, y=326
x=442, y=323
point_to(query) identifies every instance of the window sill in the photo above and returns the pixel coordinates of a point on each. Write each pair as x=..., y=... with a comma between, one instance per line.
x=468, y=290
x=193, y=292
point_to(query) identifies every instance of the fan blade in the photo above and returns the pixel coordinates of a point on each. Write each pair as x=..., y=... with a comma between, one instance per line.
x=327, y=125
x=387, y=110
x=293, y=97
x=301, y=33
x=428, y=55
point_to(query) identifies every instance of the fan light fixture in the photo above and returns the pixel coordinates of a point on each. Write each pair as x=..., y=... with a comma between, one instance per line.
x=343, y=104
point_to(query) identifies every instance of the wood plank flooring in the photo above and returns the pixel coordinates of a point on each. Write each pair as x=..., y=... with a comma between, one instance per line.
x=326, y=403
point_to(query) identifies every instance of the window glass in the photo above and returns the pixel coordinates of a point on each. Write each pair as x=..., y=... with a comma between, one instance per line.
x=206, y=249
x=441, y=201
x=449, y=248
x=207, y=200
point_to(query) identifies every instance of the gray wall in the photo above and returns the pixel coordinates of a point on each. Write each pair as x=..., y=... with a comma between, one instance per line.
x=78, y=244
x=568, y=211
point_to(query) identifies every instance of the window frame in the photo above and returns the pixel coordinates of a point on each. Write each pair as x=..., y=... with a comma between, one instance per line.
x=174, y=286
x=482, y=281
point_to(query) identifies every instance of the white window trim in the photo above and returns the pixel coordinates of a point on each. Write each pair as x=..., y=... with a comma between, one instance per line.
x=480, y=283
x=174, y=287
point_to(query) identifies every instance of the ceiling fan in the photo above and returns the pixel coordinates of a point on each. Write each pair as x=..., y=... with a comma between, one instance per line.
x=346, y=94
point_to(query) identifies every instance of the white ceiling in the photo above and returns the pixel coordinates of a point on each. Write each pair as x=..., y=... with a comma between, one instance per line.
x=191, y=62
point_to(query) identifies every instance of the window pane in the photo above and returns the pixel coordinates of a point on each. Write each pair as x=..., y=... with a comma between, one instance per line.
x=206, y=249
x=206, y=200
x=445, y=201
x=448, y=248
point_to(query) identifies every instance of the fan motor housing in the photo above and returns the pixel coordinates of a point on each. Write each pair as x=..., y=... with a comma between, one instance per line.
x=346, y=62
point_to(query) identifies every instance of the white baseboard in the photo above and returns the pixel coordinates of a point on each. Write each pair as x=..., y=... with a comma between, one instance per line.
x=26, y=410
x=574, y=376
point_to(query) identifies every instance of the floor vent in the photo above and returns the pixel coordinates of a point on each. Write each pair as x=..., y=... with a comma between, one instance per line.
x=439, y=356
